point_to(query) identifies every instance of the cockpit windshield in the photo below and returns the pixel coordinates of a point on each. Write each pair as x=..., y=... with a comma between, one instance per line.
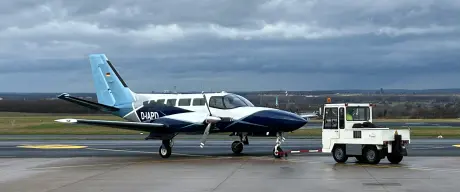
x=229, y=101
x=245, y=100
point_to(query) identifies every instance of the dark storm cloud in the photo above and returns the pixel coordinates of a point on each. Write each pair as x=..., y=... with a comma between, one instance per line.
x=230, y=44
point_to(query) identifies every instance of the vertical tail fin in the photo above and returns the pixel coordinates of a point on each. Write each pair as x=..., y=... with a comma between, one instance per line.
x=111, y=90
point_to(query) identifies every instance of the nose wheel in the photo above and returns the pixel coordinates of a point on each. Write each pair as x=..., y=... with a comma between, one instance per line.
x=277, y=151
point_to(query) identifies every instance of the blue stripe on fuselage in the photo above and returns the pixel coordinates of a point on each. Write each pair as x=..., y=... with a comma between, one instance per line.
x=158, y=110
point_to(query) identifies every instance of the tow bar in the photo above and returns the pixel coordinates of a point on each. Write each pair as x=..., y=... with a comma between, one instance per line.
x=285, y=153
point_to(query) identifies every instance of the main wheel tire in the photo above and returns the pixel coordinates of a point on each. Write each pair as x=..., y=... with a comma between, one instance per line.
x=277, y=153
x=237, y=147
x=165, y=151
x=371, y=155
x=394, y=159
x=339, y=154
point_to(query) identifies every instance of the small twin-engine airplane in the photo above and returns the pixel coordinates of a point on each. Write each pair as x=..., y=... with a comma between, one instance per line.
x=166, y=115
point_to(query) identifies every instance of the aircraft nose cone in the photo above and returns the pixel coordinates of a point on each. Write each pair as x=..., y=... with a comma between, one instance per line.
x=291, y=120
x=277, y=120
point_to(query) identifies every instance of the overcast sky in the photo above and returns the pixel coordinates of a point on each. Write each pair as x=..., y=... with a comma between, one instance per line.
x=231, y=44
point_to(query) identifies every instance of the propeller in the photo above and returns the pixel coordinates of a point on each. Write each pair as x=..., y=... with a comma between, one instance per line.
x=209, y=120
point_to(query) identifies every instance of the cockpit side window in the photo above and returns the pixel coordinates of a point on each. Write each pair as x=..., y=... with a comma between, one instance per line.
x=231, y=101
x=216, y=102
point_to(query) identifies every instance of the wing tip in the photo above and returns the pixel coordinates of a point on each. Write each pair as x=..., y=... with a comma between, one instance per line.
x=63, y=95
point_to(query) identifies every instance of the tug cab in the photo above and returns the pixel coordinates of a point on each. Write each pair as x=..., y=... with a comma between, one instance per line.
x=348, y=131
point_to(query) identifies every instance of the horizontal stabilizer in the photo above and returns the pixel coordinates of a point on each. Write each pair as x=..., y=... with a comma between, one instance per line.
x=86, y=103
x=149, y=127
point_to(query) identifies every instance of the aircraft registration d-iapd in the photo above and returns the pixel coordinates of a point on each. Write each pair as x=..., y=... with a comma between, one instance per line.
x=164, y=116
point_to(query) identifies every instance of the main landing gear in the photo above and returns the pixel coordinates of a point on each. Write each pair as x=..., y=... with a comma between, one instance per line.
x=277, y=151
x=166, y=148
x=237, y=146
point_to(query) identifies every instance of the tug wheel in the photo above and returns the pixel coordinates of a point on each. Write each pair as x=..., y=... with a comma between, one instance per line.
x=372, y=155
x=339, y=154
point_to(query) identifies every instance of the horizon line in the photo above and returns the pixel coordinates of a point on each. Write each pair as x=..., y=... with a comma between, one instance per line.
x=279, y=90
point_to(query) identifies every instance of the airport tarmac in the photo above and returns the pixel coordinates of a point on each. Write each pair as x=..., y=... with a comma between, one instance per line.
x=189, y=147
x=130, y=165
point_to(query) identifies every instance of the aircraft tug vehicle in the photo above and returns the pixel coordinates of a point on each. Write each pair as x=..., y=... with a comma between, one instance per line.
x=348, y=131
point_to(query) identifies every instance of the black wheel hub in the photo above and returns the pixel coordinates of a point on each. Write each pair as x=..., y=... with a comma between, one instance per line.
x=237, y=147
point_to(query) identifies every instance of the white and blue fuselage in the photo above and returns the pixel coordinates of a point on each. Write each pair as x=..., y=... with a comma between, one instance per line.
x=186, y=112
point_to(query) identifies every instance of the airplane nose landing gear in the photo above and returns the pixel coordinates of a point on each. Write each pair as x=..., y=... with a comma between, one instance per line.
x=244, y=139
x=277, y=151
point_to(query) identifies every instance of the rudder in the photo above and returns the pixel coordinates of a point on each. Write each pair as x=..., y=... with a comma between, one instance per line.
x=111, y=90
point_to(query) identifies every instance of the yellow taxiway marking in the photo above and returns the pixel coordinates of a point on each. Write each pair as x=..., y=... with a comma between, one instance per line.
x=53, y=146
x=456, y=146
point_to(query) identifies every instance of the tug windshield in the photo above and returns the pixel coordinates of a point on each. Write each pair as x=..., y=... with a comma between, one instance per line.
x=358, y=114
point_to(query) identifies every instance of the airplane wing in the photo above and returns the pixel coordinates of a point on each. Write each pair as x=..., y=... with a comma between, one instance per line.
x=137, y=126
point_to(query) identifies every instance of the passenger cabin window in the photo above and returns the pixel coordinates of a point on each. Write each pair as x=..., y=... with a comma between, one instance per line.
x=153, y=102
x=171, y=102
x=198, y=102
x=185, y=102
x=331, y=118
x=161, y=101
x=229, y=101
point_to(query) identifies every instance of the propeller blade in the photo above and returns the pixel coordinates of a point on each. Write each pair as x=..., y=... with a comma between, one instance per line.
x=205, y=135
x=206, y=102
